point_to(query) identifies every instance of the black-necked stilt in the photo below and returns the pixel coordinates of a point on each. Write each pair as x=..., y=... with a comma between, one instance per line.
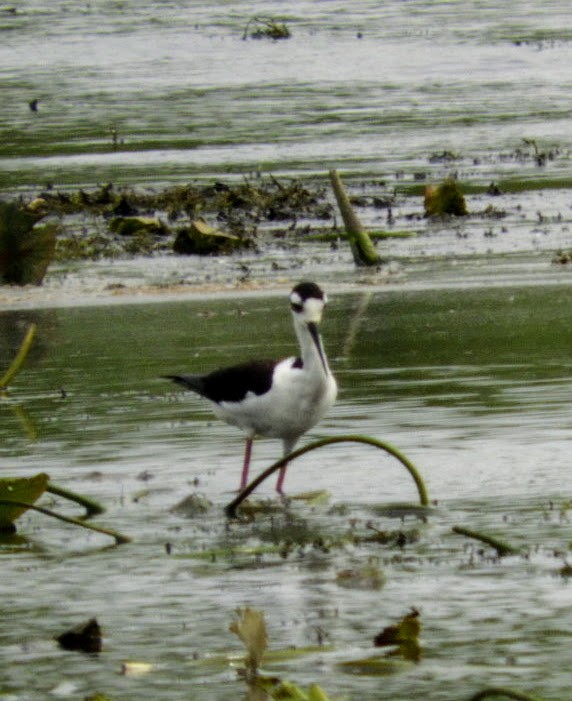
x=276, y=399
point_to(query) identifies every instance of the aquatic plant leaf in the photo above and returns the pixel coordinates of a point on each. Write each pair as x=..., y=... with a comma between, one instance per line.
x=283, y=690
x=202, y=239
x=404, y=635
x=376, y=666
x=21, y=356
x=20, y=489
x=250, y=627
x=25, y=250
x=316, y=693
x=367, y=577
x=446, y=198
x=315, y=498
x=131, y=226
x=85, y=637
x=266, y=28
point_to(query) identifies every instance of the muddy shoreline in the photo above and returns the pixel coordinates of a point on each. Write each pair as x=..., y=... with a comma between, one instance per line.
x=292, y=231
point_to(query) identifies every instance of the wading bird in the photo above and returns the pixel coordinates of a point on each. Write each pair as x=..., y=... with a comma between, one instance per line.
x=275, y=398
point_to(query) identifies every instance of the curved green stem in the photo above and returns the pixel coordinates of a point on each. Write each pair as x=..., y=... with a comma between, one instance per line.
x=500, y=546
x=231, y=508
x=20, y=357
x=119, y=539
x=92, y=507
x=499, y=691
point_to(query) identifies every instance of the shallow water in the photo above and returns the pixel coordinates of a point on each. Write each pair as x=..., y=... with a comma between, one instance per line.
x=189, y=98
x=464, y=364
x=472, y=385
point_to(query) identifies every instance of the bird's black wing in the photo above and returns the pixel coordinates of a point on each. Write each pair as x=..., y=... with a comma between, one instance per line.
x=231, y=384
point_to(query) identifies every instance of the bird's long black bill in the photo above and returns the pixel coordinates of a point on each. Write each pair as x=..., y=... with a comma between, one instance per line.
x=313, y=329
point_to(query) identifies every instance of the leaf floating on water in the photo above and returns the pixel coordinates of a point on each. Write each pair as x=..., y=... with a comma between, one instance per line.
x=375, y=666
x=136, y=668
x=445, y=199
x=404, y=635
x=367, y=577
x=315, y=498
x=287, y=691
x=85, y=637
x=192, y=506
x=20, y=489
x=250, y=627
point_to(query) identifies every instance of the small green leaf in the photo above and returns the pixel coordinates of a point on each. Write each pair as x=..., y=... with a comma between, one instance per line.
x=250, y=627
x=20, y=489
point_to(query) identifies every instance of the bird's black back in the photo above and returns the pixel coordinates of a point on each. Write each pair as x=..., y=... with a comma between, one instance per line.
x=230, y=384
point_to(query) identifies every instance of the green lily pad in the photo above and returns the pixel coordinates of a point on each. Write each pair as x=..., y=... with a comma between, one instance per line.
x=20, y=489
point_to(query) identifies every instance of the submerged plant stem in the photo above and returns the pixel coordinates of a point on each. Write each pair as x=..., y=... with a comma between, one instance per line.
x=119, y=538
x=19, y=359
x=231, y=508
x=92, y=507
x=363, y=250
x=500, y=546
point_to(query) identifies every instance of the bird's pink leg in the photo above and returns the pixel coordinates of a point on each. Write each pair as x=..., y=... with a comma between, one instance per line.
x=288, y=444
x=246, y=464
x=280, y=481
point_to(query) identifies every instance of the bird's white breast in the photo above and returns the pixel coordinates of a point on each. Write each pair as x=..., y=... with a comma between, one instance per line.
x=296, y=401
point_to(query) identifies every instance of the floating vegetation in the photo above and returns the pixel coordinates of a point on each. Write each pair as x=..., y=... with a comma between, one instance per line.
x=26, y=250
x=18, y=495
x=250, y=627
x=562, y=257
x=265, y=28
x=445, y=199
x=403, y=640
x=540, y=157
x=206, y=218
x=231, y=508
x=19, y=359
x=202, y=239
x=362, y=248
x=500, y=546
x=403, y=636
x=368, y=577
x=85, y=637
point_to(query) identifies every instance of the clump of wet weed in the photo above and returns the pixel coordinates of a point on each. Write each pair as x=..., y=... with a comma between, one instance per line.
x=265, y=28
x=100, y=223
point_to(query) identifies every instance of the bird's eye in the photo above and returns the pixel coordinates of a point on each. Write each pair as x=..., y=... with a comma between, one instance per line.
x=297, y=306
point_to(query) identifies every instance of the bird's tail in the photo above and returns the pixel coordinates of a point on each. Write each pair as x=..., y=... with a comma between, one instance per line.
x=193, y=382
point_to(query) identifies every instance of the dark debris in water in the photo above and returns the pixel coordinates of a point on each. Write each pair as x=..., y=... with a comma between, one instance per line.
x=85, y=637
x=265, y=28
x=115, y=221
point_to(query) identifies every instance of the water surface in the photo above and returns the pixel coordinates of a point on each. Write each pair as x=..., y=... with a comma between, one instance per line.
x=372, y=89
x=472, y=385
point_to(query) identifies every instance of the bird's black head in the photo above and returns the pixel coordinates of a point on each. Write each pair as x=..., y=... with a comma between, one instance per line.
x=303, y=292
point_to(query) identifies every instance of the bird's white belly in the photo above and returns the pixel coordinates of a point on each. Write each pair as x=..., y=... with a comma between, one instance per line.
x=294, y=404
